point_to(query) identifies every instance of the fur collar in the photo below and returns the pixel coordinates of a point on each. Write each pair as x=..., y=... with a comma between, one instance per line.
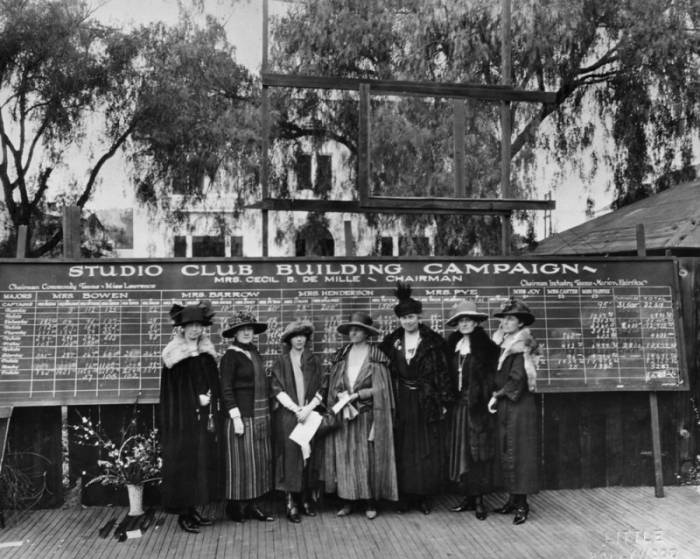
x=520, y=342
x=177, y=350
x=481, y=346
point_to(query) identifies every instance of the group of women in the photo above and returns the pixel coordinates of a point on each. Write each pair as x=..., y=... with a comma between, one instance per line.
x=392, y=420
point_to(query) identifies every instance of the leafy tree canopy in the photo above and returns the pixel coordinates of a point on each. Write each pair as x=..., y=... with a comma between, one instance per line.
x=631, y=67
x=172, y=97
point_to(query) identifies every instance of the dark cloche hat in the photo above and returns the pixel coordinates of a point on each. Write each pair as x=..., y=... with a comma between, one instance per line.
x=241, y=319
x=360, y=319
x=199, y=312
x=406, y=304
x=517, y=308
x=297, y=328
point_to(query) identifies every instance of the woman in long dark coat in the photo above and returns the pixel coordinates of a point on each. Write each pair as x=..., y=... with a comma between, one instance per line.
x=297, y=385
x=514, y=402
x=473, y=358
x=421, y=388
x=189, y=388
x=359, y=463
x=245, y=394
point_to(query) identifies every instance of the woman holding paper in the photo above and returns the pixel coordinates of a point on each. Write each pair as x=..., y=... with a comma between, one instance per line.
x=359, y=456
x=472, y=441
x=296, y=385
x=245, y=395
x=514, y=402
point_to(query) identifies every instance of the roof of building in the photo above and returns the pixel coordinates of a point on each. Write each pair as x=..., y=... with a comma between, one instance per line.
x=671, y=220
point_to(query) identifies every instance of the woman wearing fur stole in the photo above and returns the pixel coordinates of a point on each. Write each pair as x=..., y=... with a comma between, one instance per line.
x=189, y=389
x=472, y=441
x=421, y=387
x=514, y=402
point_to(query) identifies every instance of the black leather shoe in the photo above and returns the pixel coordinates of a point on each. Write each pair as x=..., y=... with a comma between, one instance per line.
x=480, y=511
x=507, y=508
x=402, y=506
x=424, y=506
x=200, y=520
x=234, y=511
x=256, y=514
x=521, y=514
x=468, y=503
x=293, y=515
x=308, y=508
x=187, y=524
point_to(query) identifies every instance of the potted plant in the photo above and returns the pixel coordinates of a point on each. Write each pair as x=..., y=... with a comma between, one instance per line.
x=132, y=463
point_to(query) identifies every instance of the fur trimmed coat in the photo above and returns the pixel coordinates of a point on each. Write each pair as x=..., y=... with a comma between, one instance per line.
x=421, y=391
x=191, y=462
x=349, y=468
x=477, y=387
x=433, y=376
x=518, y=420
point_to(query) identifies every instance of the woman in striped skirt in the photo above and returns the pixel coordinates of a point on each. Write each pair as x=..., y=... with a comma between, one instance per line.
x=244, y=388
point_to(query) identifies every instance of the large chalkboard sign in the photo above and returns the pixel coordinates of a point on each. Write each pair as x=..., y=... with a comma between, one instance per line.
x=93, y=331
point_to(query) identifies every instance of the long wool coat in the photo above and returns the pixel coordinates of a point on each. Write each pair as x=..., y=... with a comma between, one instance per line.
x=421, y=391
x=478, y=372
x=354, y=466
x=289, y=462
x=190, y=454
x=517, y=417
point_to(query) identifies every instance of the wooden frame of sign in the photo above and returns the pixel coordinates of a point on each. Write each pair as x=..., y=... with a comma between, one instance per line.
x=367, y=202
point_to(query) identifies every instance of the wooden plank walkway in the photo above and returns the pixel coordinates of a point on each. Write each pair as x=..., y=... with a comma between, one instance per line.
x=601, y=523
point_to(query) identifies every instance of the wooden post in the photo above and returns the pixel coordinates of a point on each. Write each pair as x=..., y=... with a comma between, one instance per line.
x=21, y=241
x=349, y=241
x=653, y=400
x=458, y=130
x=265, y=122
x=71, y=249
x=363, y=144
x=505, y=123
x=5, y=416
x=71, y=232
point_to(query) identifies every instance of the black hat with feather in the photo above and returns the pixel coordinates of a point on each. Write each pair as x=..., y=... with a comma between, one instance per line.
x=407, y=304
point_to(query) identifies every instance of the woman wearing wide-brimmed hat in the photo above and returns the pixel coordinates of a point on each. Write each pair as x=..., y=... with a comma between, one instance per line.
x=359, y=463
x=189, y=393
x=514, y=402
x=421, y=389
x=297, y=385
x=472, y=440
x=245, y=393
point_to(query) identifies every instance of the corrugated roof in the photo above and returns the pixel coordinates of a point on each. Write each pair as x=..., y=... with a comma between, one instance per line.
x=671, y=221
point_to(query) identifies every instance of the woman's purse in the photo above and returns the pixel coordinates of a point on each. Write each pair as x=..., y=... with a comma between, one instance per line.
x=329, y=421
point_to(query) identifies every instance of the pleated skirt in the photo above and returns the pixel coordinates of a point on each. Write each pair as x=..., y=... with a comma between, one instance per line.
x=248, y=460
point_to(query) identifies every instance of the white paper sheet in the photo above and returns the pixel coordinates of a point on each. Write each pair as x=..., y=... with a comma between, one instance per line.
x=304, y=432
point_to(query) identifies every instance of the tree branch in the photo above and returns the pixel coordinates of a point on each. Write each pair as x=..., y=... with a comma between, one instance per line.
x=4, y=175
x=290, y=131
x=85, y=196
x=35, y=141
x=43, y=185
x=607, y=58
x=48, y=245
x=562, y=94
